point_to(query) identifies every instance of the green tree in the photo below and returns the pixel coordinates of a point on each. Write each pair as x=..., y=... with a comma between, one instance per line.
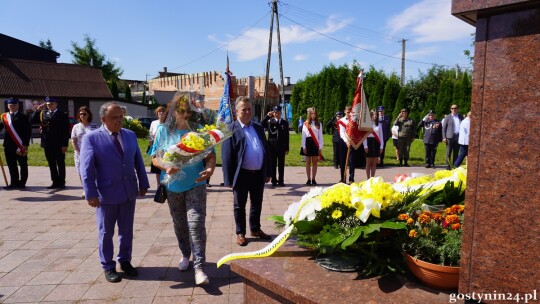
x=391, y=92
x=400, y=103
x=113, y=87
x=128, y=93
x=444, y=99
x=374, y=86
x=89, y=55
x=46, y=45
x=468, y=53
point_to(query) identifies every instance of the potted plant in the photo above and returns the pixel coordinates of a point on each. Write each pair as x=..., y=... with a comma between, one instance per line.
x=432, y=247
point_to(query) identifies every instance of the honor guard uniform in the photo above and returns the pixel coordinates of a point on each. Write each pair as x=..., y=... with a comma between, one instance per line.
x=54, y=139
x=432, y=137
x=278, y=140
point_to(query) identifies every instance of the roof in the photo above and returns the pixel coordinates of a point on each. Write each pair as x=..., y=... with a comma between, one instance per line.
x=17, y=49
x=25, y=78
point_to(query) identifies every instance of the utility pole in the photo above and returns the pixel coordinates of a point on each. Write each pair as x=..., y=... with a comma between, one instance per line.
x=274, y=14
x=403, y=62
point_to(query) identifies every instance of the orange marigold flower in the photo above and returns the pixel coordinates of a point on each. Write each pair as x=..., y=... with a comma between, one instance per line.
x=410, y=221
x=413, y=233
x=452, y=219
x=448, y=211
x=424, y=218
x=457, y=209
x=426, y=212
x=403, y=217
x=456, y=226
x=437, y=216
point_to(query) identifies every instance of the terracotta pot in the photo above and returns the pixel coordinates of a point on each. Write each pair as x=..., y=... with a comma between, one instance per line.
x=432, y=275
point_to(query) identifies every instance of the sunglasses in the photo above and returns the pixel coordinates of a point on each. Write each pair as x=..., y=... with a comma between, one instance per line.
x=453, y=108
x=83, y=114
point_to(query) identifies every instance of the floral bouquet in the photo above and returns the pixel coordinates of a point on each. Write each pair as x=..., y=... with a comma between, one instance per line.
x=192, y=148
x=364, y=220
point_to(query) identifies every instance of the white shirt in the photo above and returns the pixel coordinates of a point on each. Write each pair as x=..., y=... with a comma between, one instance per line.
x=153, y=129
x=464, y=130
x=378, y=130
x=317, y=131
x=456, y=123
x=343, y=130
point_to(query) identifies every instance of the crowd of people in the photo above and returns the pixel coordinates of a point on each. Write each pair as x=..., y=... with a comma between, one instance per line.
x=112, y=171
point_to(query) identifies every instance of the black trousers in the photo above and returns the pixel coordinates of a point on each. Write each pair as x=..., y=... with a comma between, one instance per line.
x=277, y=158
x=452, y=149
x=336, y=154
x=357, y=159
x=57, y=165
x=431, y=150
x=12, y=159
x=252, y=183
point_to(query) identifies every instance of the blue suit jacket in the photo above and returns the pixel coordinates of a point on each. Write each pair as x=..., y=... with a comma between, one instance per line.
x=232, y=154
x=105, y=174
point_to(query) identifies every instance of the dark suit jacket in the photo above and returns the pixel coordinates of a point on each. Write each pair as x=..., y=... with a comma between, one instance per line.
x=22, y=126
x=332, y=124
x=386, y=122
x=278, y=133
x=54, y=128
x=232, y=154
x=105, y=173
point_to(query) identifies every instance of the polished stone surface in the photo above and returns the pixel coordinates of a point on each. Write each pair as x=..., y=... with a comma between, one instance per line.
x=501, y=231
x=292, y=275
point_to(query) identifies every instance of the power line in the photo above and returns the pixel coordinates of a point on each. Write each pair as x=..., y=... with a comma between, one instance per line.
x=223, y=45
x=360, y=48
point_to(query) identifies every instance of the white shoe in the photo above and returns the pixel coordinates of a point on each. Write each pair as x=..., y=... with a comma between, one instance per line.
x=184, y=264
x=200, y=277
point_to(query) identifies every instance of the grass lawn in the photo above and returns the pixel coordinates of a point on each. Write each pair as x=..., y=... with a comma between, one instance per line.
x=36, y=157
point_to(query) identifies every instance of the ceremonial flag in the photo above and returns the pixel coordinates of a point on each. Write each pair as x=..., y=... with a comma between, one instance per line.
x=359, y=126
x=224, y=110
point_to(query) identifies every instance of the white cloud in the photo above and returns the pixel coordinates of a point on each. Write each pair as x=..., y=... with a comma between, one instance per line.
x=335, y=55
x=429, y=21
x=300, y=57
x=254, y=42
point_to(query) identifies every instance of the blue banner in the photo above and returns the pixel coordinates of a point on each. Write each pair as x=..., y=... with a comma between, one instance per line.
x=224, y=110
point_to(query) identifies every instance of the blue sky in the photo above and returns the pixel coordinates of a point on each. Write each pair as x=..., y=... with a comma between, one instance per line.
x=142, y=37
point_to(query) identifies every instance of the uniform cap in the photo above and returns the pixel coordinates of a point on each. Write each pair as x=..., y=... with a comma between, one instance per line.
x=12, y=100
x=50, y=99
x=380, y=108
x=339, y=113
x=277, y=109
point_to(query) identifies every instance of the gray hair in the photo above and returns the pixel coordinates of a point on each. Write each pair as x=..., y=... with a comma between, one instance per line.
x=241, y=99
x=105, y=108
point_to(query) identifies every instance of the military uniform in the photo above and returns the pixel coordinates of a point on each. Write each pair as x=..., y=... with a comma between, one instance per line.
x=432, y=137
x=54, y=135
x=278, y=141
x=21, y=126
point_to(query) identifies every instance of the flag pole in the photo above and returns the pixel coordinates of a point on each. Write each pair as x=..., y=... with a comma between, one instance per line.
x=346, y=165
x=3, y=171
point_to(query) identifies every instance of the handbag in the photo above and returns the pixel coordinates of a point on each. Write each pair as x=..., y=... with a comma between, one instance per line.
x=161, y=194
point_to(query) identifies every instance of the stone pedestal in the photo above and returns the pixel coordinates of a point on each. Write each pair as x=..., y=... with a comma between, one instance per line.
x=291, y=275
x=501, y=241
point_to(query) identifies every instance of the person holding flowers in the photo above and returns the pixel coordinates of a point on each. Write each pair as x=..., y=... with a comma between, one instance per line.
x=186, y=193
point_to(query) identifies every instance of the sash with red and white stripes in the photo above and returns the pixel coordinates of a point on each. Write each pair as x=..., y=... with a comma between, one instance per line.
x=6, y=119
x=376, y=137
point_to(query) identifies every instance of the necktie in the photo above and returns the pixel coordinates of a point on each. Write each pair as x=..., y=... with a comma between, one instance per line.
x=117, y=144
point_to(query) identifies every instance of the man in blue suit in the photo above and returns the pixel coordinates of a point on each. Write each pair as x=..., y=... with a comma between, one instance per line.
x=111, y=165
x=246, y=168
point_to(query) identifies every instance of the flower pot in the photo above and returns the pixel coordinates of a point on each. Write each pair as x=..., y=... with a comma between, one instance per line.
x=432, y=275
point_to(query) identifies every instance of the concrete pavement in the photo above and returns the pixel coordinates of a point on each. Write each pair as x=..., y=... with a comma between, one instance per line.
x=48, y=246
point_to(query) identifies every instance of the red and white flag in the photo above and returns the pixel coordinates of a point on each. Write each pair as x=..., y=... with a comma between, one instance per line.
x=360, y=125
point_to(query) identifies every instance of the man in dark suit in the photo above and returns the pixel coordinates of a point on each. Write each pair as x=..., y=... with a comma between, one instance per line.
x=246, y=168
x=278, y=141
x=450, y=134
x=16, y=141
x=333, y=125
x=111, y=166
x=54, y=139
x=385, y=122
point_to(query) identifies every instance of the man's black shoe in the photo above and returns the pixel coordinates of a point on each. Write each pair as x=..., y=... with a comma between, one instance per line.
x=62, y=186
x=428, y=165
x=11, y=187
x=52, y=186
x=112, y=276
x=274, y=184
x=281, y=184
x=129, y=270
